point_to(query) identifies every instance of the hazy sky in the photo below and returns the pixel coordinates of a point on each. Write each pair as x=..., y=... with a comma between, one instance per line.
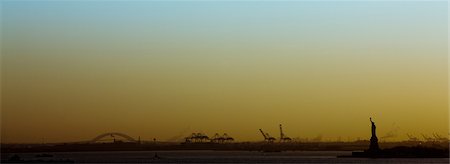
x=73, y=70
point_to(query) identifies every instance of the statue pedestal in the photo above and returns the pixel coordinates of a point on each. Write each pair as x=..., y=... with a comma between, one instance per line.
x=374, y=144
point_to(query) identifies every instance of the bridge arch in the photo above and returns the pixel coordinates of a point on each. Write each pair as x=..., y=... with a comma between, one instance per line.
x=101, y=136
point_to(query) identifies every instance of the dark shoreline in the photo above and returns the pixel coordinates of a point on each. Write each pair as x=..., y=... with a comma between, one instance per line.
x=402, y=152
x=239, y=146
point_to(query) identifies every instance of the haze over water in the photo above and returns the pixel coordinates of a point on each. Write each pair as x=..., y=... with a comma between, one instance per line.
x=154, y=69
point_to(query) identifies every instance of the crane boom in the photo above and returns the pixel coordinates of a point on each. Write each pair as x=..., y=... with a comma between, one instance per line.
x=264, y=135
x=281, y=133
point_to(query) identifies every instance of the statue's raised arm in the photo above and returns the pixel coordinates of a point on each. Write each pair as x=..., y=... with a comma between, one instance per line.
x=373, y=127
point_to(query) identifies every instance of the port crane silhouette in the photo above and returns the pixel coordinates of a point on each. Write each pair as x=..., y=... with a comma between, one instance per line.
x=267, y=137
x=221, y=138
x=283, y=137
x=197, y=138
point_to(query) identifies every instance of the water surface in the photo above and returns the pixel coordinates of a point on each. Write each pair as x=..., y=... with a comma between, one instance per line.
x=220, y=157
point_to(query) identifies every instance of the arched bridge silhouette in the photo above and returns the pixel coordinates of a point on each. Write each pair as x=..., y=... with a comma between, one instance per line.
x=112, y=134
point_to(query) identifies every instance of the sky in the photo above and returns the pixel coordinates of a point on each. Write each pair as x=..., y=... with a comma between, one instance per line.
x=73, y=70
